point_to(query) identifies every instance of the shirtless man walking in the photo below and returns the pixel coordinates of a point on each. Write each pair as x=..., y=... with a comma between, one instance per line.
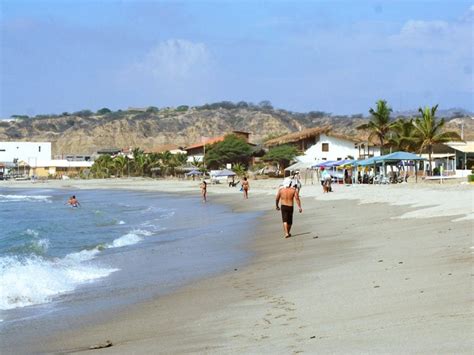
x=287, y=194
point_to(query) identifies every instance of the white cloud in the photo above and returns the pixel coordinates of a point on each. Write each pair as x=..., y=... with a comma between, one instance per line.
x=173, y=72
x=174, y=61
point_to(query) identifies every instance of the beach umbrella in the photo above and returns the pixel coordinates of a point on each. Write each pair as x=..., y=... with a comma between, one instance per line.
x=193, y=172
x=225, y=172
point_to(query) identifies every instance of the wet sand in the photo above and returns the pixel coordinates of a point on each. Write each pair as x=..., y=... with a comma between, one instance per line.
x=354, y=278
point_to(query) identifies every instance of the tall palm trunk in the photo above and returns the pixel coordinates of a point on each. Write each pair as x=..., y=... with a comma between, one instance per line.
x=430, y=152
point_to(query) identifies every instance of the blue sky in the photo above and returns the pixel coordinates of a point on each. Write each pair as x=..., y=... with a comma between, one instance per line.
x=334, y=56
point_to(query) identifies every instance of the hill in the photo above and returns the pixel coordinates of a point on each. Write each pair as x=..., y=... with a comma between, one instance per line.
x=85, y=132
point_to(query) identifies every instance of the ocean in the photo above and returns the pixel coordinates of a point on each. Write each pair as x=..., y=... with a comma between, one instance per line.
x=118, y=248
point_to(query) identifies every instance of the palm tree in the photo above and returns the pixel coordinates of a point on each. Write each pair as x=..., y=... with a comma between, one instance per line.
x=180, y=159
x=102, y=166
x=166, y=161
x=199, y=164
x=120, y=163
x=380, y=123
x=153, y=161
x=239, y=169
x=402, y=137
x=429, y=132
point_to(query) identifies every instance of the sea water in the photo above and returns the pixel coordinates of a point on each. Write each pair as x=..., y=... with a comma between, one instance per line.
x=116, y=248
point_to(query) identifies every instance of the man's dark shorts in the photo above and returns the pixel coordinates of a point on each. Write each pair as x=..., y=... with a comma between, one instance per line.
x=287, y=214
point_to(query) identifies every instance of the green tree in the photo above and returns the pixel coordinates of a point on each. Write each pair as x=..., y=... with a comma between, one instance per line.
x=103, y=111
x=83, y=113
x=239, y=169
x=139, y=162
x=429, y=131
x=380, y=123
x=180, y=159
x=182, y=108
x=232, y=149
x=102, y=167
x=121, y=164
x=282, y=155
x=152, y=109
x=199, y=164
x=402, y=135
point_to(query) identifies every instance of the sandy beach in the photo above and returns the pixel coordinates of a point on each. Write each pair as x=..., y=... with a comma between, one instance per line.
x=369, y=269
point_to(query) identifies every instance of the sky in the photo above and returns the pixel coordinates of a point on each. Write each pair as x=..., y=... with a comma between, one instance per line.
x=333, y=56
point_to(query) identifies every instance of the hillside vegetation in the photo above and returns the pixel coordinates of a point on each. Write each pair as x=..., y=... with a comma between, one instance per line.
x=85, y=132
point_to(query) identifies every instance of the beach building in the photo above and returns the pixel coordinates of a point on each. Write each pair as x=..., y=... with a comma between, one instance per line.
x=456, y=158
x=28, y=152
x=56, y=168
x=28, y=159
x=197, y=150
x=321, y=144
x=172, y=148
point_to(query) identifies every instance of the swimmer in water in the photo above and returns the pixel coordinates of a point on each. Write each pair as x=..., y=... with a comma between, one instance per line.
x=73, y=202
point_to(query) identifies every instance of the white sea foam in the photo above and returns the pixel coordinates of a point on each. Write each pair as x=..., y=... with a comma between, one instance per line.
x=39, y=246
x=31, y=232
x=130, y=238
x=24, y=198
x=36, y=280
x=121, y=222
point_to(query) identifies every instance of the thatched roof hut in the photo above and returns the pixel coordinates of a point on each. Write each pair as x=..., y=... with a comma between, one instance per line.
x=297, y=136
x=308, y=134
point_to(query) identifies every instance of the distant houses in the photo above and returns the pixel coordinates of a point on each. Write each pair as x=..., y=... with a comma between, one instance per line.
x=34, y=159
x=172, y=148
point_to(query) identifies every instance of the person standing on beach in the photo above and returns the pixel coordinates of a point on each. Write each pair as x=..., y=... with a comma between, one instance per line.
x=326, y=179
x=295, y=181
x=245, y=187
x=287, y=195
x=204, y=191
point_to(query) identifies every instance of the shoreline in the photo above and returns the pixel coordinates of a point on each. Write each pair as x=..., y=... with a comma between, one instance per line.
x=369, y=282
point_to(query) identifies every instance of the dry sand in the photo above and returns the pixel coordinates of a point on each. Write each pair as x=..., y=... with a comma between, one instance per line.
x=370, y=269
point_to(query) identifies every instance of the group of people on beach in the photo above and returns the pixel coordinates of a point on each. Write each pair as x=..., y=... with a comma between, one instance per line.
x=286, y=196
x=245, y=188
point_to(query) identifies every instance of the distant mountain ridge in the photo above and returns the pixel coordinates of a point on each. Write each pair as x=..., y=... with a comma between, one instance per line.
x=85, y=132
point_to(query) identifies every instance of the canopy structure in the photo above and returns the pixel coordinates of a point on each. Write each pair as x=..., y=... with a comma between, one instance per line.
x=397, y=156
x=224, y=172
x=340, y=163
x=324, y=164
x=298, y=166
x=193, y=173
x=366, y=162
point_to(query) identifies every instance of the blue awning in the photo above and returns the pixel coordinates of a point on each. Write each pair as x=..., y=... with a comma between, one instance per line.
x=366, y=162
x=397, y=156
x=324, y=164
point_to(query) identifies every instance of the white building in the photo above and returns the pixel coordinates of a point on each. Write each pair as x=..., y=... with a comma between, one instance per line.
x=320, y=144
x=28, y=152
